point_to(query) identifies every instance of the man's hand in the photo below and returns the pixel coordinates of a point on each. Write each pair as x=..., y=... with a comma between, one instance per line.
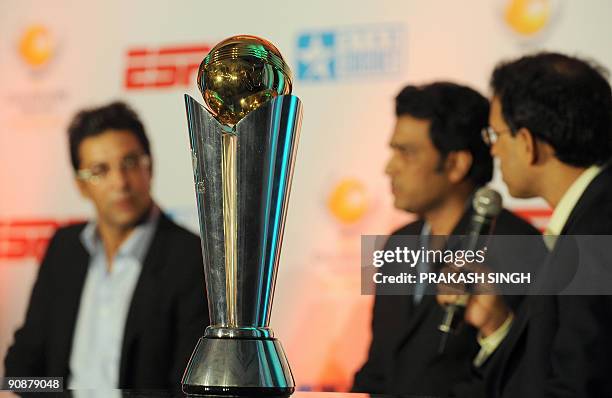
x=485, y=312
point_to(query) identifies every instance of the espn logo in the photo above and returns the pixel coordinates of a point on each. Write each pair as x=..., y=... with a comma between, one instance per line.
x=22, y=239
x=165, y=67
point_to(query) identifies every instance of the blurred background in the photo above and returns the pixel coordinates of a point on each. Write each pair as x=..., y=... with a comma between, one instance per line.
x=349, y=60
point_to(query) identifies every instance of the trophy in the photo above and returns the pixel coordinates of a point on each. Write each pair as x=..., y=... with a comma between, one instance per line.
x=243, y=151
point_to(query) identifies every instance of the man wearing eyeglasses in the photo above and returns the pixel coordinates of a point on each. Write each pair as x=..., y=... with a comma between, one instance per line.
x=119, y=301
x=438, y=160
x=551, y=129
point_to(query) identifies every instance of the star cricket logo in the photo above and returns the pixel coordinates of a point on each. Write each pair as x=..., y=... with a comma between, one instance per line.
x=164, y=67
x=350, y=53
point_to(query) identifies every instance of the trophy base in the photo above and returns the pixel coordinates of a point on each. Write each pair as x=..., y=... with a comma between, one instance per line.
x=238, y=367
x=238, y=391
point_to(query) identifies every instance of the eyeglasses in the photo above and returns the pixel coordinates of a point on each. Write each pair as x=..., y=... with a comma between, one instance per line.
x=490, y=136
x=129, y=164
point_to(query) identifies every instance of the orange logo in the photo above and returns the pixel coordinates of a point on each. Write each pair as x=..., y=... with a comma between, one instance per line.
x=348, y=201
x=37, y=46
x=527, y=17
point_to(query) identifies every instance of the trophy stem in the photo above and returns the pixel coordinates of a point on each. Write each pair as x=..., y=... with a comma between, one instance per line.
x=228, y=166
x=243, y=180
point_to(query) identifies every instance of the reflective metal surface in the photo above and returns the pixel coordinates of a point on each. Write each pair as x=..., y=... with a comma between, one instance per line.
x=243, y=151
x=241, y=255
x=239, y=75
x=244, y=364
x=242, y=180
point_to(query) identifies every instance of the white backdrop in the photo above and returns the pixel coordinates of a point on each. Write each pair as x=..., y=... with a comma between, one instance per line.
x=349, y=59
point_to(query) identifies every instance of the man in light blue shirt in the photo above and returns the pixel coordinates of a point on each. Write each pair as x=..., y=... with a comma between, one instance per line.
x=119, y=302
x=104, y=305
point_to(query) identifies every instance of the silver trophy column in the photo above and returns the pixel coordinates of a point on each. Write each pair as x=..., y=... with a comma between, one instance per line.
x=243, y=179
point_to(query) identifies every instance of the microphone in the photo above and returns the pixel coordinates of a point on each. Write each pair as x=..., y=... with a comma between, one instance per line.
x=487, y=204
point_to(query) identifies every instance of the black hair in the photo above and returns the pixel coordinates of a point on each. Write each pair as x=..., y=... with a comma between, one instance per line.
x=457, y=115
x=94, y=121
x=562, y=100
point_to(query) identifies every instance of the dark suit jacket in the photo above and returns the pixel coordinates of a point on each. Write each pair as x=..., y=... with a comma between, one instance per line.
x=167, y=315
x=561, y=346
x=403, y=356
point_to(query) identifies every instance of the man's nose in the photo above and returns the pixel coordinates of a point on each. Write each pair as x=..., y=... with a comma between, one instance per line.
x=118, y=178
x=390, y=167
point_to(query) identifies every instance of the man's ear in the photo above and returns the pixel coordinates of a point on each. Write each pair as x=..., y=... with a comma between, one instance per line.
x=458, y=164
x=527, y=143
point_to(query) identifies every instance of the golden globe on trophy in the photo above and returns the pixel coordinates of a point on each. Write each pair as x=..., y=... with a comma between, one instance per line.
x=243, y=148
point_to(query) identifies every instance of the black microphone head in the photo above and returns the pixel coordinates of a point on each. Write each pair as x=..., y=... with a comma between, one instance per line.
x=487, y=202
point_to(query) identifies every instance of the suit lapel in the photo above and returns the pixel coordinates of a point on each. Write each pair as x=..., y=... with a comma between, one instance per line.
x=596, y=188
x=144, y=292
x=417, y=312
